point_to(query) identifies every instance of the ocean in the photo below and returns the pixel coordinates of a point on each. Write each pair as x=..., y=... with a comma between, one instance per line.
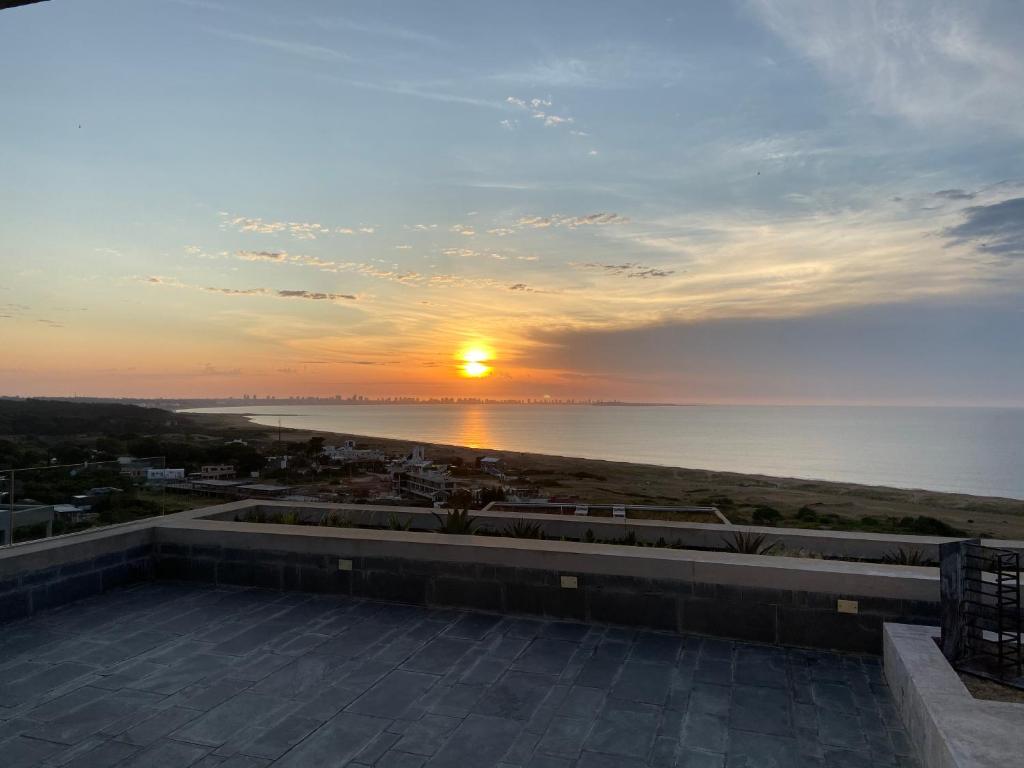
x=961, y=450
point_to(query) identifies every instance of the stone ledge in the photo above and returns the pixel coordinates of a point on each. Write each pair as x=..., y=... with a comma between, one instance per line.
x=746, y=597
x=947, y=725
x=865, y=580
x=750, y=597
x=841, y=544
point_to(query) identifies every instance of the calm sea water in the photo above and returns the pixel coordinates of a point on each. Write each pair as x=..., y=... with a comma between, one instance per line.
x=965, y=450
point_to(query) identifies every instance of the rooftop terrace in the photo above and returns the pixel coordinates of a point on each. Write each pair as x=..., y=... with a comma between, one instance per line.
x=303, y=634
x=166, y=675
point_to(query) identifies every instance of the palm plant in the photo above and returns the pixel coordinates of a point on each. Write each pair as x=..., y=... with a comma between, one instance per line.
x=456, y=521
x=395, y=523
x=334, y=520
x=524, y=529
x=903, y=556
x=748, y=544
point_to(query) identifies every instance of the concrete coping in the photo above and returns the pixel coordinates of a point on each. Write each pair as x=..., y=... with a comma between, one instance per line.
x=716, y=567
x=947, y=725
x=749, y=571
x=828, y=543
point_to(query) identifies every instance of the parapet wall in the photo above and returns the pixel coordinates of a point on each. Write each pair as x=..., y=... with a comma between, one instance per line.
x=710, y=536
x=948, y=727
x=790, y=601
x=767, y=599
x=58, y=571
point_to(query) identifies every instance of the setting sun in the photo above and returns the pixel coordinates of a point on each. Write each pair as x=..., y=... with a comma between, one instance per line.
x=474, y=362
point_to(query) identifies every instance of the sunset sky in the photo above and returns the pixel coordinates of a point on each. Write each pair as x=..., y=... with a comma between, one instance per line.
x=764, y=201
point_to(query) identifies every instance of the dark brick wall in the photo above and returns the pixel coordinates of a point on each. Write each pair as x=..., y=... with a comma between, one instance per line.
x=35, y=590
x=757, y=614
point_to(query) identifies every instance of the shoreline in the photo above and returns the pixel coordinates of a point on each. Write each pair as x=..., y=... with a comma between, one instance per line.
x=738, y=495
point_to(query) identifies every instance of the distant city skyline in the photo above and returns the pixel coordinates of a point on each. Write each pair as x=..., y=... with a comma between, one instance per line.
x=760, y=201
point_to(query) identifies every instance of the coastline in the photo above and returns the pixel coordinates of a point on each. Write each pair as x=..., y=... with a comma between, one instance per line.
x=737, y=495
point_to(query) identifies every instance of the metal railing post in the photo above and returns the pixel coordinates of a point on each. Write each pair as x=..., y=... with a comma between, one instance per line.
x=10, y=499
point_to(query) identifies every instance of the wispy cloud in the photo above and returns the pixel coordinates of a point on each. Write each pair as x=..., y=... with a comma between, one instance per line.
x=932, y=62
x=539, y=109
x=629, y=269
x=425, y=91
x=955, y=194
x=291, y=47
x=300, y=230
x=275, y=256
x=610, y=67
x=379, y=29
x=279, y=293
x=570, y=222
x=315, y=295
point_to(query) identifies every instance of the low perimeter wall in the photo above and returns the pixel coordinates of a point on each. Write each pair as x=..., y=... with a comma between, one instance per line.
x=947, y=725
x=49, y=573
x=789, y=601
x=709, y=536
x=825, y=604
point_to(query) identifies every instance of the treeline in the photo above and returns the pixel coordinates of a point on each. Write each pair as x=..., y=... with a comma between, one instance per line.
x=34, y=433
x=51, y=418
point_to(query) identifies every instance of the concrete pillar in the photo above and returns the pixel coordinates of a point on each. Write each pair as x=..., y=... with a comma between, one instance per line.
x=954, y=574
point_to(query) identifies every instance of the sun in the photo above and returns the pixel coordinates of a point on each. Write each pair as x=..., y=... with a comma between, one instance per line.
x=474, y=361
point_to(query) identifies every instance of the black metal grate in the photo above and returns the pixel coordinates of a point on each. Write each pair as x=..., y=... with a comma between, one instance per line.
x=992, y=608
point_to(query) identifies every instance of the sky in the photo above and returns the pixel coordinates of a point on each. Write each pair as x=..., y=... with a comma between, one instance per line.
x=763, y=201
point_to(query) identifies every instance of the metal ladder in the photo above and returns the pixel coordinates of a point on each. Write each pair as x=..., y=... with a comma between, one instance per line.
x=993, y=607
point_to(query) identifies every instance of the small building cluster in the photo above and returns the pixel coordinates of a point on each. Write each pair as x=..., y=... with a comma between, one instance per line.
x=348, y=453
x=374, y=476
x=417, y=476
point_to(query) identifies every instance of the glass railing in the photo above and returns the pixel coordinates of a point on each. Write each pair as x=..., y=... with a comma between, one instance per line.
x=61, y=498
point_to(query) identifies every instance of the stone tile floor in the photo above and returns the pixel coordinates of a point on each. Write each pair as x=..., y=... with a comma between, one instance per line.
x=166, y=675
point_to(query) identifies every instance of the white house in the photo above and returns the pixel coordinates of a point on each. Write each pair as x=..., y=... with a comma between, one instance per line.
x=164, y=475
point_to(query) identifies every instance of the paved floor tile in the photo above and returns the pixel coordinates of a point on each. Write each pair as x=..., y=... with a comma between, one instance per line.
x=393, y=694
x=167, y=754
x=565, y=736
x=427, y=735
x=758, y=750
x=479, y=742
x=625, y=733
x=22, y=752
x=515, y=696
x=581, y=701
x=545, y=656
x=691, y=758
x=651, y=647
x=439, y=655
x=395, y=759
x=706, y=732
x=644, y=682
x=104, y=755
x=762, y=710
x=224, y=721
x=189, y=676
x=280, y=735
x=340, y=739
x=473, y=626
